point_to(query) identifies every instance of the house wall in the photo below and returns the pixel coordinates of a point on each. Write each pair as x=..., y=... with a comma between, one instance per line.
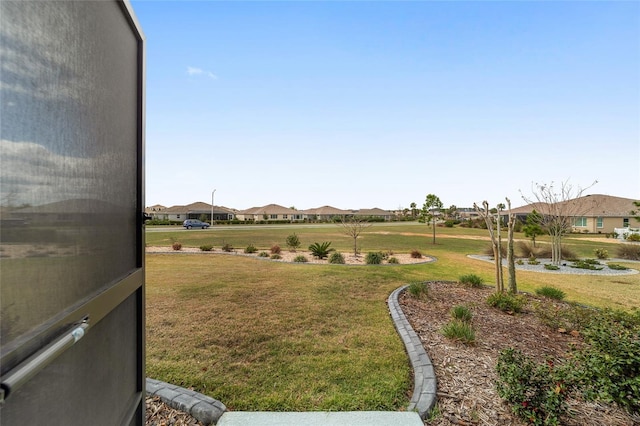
x=608, y=225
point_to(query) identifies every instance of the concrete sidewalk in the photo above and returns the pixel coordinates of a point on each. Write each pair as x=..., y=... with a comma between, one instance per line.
x=317, y=418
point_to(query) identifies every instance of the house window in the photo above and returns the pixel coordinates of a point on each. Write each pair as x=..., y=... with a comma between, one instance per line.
x=580, y=221
x=625, y=222
x=177, y=216
x=273, y=216
x=284, y=216
x=599, y=223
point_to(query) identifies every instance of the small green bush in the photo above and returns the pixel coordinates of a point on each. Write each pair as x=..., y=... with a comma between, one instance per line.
x=550, y=292
x=176, y=246
x=393, y=260
x=459, y=330
x=551, y=267
x=300, y=259
x=601, y=253
x=251, y=249
x=617, y=267
x=374, y=258
x=633, y=238
x=336, y=258
x=275, y=249
x=263, y=254
x=206, y=247
x=461, y=313
x=293, y=242
x=519, y=262
x=415, y=254
x=586, y=264
x=320, y=250
x=537, y=392
x=275, y=256
x=628, y=251
x=418, y=290
x=471, y=280
x=507, y=302
x=226, y=247
x=449, y=223
x=533, y=261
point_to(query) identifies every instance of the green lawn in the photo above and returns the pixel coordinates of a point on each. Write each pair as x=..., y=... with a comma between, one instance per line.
x=261, y=335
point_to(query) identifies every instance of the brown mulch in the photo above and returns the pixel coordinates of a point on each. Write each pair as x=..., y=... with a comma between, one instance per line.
x=466, y=375
x=160, y=414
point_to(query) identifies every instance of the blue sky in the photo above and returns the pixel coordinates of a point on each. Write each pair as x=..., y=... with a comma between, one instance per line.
x=377, y=104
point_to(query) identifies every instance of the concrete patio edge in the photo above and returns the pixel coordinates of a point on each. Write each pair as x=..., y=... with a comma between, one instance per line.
x=424, y=377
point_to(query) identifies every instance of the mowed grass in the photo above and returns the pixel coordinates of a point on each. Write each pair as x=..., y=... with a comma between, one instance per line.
x=262, y=335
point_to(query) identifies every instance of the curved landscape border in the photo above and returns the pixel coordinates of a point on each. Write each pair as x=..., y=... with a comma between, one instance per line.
x=424, y=376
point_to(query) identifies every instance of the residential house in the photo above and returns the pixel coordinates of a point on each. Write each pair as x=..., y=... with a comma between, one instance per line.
x=191, y=211
x=270, y=212
x=325, y=213
x=374, y=212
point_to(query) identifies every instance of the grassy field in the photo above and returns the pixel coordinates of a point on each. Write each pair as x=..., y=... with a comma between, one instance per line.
x=263, y=335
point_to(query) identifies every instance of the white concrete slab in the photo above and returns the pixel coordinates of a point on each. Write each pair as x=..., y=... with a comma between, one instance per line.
x=324, y=418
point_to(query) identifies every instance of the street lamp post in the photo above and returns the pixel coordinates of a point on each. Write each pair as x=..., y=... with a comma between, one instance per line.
x=212, y=193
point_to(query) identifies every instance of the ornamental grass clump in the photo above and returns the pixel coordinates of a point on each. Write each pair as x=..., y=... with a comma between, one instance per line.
x=471, y=280
x=336, y=258
x=206, y=247
x=416, y=254
x=506, y=302
x=374, y=258
x=250, y=249
x=300, y=259
x=461, y=313
x=418, y=290
x=460, y=331
x=551, y=292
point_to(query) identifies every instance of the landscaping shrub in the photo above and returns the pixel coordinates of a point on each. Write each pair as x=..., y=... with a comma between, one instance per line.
x=320, y=250
x=415, y=254
x=537, y=392
x=418, y=290
x=617, y=267
x=275, y=249
x=293, y=242
x=533, y=261
x=206, y=247
x=471, y=280
x=633, y=238
x=449, y=223
x=176, y=246
x=263, y=254
x=459, y=330
x=569, y=317
x=550, y=292
x=601, y=253
x=461, y=313
x=226, y=247
x=276, y=256
x=506, y=302
x=586, y=264
x=525, y=249
x=393, y=260
x=374, y=258
x=251, y=249
x=336, y=258
x=551, y=267
x=544, y=252
x=300, y=259
x=629, y=251
x=488, y=251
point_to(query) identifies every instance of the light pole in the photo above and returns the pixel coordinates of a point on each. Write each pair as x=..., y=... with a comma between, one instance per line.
x=212, y=193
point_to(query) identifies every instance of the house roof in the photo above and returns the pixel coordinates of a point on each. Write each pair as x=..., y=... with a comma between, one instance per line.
x=372, y=212
x=596, y=205
x=268, y=209
x=197, y=207
x=326, y=211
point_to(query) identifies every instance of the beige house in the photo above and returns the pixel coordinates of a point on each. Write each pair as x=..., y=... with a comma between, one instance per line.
x=270, y=212
x=190, y=211
x=374, y=212
x=325, y=213
x=597, y=213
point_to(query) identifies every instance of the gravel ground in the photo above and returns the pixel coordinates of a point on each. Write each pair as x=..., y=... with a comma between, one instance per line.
x=565, y=268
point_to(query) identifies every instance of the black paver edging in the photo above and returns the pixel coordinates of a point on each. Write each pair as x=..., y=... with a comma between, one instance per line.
x=424, y=377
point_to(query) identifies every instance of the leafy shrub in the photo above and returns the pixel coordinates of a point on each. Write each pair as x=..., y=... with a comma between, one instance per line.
x=320, y=250
x=374, y=258
x=336, y=258
x=449, y=223
x=506, y=302
x=263, y=254
x=617, y=267
x=300, y=259
x=633, y=238
x=251, y=249
x=275, y=256
x=567, y=317
x=537, y=392
x=293, y=242
x=393, y=260
x=471, y=280
x=176, y=246
x=586, y=264
x=601, y=253
x=519, y=262
x=550, y=292
x=608, y=366
x=551, y=267
x=418, y=290
x=206, y=247
x=415, y=254
x=461, y=313
x=459, y=330
x=629, y=251
x=226, y=247
x=275, y=249
x=525, y=249
x=533, y=261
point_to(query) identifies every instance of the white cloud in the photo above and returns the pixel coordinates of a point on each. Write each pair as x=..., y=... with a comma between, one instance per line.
x=200, y=71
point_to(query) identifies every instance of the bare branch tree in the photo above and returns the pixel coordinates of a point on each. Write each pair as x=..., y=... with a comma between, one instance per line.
x=353, y=227
x=511, y=263
x=557, y=210
x=486, y=214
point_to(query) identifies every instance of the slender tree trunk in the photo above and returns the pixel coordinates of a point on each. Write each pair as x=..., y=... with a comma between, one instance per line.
x=433, y=223
x=511, y=264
